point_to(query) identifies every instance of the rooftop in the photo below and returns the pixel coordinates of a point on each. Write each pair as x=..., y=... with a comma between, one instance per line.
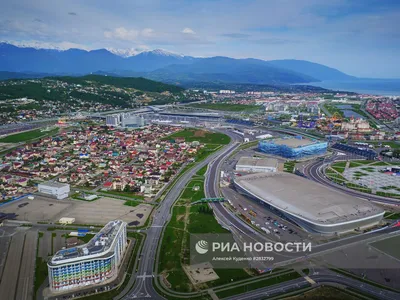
x=294, y=142
x=99, y=244
x=54, y=184
x=307, y=199
x=257, y=162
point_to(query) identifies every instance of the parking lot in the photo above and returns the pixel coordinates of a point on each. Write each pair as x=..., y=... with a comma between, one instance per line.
x=38, y=209
x=368, y=262
x=98, y=212
x=19, y=266
x=106, y=209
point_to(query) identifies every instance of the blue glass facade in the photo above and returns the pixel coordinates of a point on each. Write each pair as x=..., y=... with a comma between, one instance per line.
x=314, y=148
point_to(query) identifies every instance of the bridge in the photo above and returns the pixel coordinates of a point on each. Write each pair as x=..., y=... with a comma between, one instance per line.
x=208, y=200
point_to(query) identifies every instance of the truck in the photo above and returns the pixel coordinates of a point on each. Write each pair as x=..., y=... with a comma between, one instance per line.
x=252, y=213
x=265, y=230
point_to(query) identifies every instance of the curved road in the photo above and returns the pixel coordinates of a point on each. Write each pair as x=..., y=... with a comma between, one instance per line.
x=314, y=172
x=143, y=286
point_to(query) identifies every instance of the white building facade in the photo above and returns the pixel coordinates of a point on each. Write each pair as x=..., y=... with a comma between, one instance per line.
x=93, y=263
x=56, y=189
x=257, y=165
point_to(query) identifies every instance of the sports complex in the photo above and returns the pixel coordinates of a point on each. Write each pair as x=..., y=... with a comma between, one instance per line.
x=293, y=147
x=308, y=204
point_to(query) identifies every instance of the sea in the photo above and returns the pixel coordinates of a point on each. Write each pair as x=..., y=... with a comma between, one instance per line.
x=382, y=87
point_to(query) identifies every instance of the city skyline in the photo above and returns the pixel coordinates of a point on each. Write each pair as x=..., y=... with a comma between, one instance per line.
x=341, y=34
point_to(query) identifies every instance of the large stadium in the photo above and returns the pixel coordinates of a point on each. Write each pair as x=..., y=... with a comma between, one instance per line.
x=293, y=147
x=308, y=204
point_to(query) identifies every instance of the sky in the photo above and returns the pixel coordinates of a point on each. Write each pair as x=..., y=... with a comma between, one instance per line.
x=358, y=37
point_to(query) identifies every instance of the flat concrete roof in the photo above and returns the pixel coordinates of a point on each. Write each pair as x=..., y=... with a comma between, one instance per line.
x=294, y=142
x=306, y=199
x=54, y=184
x=257, y=162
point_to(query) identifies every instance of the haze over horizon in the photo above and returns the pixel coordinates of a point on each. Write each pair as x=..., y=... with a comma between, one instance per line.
x=357, y=37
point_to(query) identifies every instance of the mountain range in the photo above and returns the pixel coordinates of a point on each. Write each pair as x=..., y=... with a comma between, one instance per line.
x=160, y=65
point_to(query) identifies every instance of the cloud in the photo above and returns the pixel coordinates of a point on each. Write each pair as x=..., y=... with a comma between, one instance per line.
x=275, y=41
x=236, y=35
x=121, y=33
x=147, y=32
x=37, y=20
x=188, y=30
x=71, y=13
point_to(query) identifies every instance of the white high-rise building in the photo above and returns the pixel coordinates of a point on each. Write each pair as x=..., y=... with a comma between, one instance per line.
x=96, y=262
x=113, y=120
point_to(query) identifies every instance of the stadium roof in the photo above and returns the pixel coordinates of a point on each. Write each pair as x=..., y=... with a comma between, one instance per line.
x=306, y=199
x=257, y=162
x=294, y=142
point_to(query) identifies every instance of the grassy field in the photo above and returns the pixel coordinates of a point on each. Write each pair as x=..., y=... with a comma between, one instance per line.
x=289, y=166
x=324, y=293
x=227, y=106
x=189, y=195
x=258, y=284
x=202, y=171
x=131, y=203
x=389, y=246
x=28, y=135
x=40, y=274
x=201, y=136
x=392, y=216
x=188, y=220
x=123, y=194
x=202, y=220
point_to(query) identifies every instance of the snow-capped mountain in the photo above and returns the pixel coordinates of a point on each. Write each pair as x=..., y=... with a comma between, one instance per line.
x=159, y=65
x=162, y=52
x=125, y=52
x=42, y=45
x=135, y=51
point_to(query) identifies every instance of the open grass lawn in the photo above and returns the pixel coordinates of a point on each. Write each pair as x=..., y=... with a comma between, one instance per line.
x=227, y=106
x=201, y=136
x=202, y=171
x=124, y=194
x=131, y=203
x=189, y=193
x=391, y=195
x=258, y=284
x=380, y=163
x=392, y=216
x=28, y=135
x=289, y=166
x=338, y=169
x=340, y=164
x=324, y=293
x=358, y=187
x=40, y=274
x=175, y=244
x=226, y=276
x=202, y=220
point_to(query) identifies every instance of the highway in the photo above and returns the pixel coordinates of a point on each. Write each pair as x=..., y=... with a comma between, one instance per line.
x=325, y=277
x=142, y=281
x=314, y=172
x=143, y=286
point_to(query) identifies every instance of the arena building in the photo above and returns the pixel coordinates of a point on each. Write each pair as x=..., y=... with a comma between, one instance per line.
x=257, y=165
x=96, y=262
x=308, y=204
x=56, y=189
x=293, y=147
